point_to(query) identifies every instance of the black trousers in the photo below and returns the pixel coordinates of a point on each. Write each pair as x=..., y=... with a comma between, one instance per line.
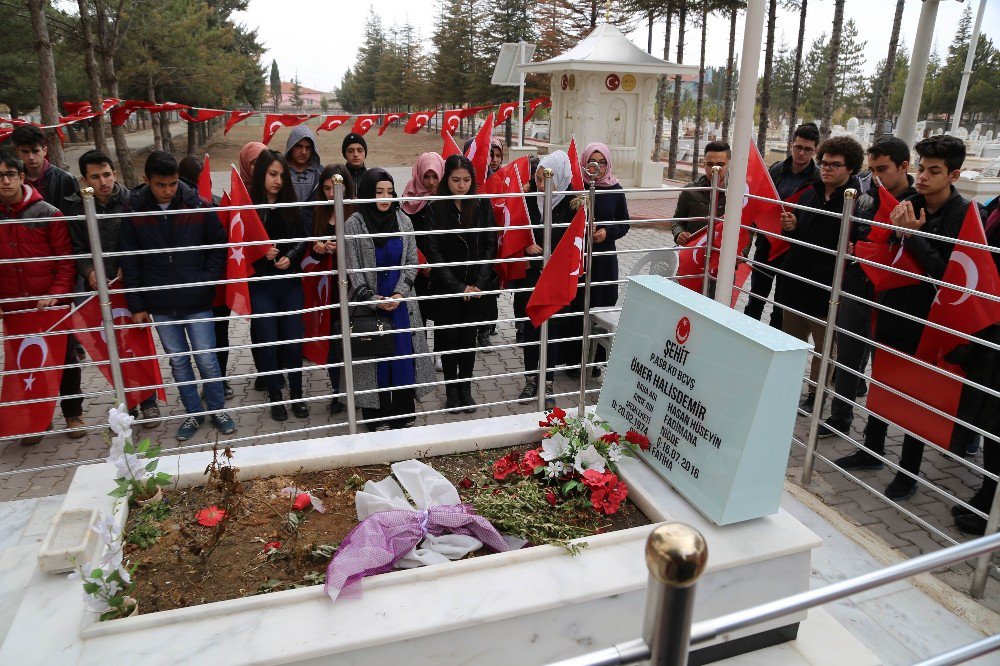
x=761, y=281
x=852, y=353
x=456, y=365
x=72, y=408
x=400, y=403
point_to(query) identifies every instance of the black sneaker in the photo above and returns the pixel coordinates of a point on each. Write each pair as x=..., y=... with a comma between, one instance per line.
x=971, y=524
x=827, y=428
x=862, y=389
x=807, y=403
x=227, y=391
x=900, y=488
x=859, y=460
x=300, y=409
x=530, y=390
x=483, y=341
x=335, y=406
x=259, y=384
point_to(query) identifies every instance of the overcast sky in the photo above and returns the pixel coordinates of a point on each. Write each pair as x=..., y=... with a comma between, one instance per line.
x=319, y=39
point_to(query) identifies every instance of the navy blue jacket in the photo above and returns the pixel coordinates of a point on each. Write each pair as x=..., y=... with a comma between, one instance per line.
x=156, y=269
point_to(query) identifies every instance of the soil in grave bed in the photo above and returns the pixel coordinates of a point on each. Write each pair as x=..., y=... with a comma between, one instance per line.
x=183, y=563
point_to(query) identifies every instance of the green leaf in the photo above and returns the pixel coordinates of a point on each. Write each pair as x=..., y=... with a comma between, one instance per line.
x=97, y=574
x=121, y=491
x=568, y=487
x=116, y=602
x=151, y=465
x=90, y=588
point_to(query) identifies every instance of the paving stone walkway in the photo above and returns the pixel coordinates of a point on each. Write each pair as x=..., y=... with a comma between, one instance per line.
x=46, y=469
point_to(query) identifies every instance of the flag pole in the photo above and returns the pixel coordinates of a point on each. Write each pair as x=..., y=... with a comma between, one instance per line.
x=543, y=351
x=104, y=297
x=342, y=292
x=588, y=242
x=713, y=204
x=746, y=98
x=520, y=98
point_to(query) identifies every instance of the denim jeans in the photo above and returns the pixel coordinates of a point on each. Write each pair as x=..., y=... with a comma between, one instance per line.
x=186, y=333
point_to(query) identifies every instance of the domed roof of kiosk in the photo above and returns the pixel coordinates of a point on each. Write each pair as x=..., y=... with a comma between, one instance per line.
x=607, y=49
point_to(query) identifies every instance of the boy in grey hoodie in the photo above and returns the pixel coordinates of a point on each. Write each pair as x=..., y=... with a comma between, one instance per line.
x=303, y=158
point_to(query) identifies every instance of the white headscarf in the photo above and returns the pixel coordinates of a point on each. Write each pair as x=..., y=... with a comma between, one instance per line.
x=562, y=173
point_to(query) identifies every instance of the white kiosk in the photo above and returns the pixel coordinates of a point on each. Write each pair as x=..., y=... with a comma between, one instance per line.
x=604, y=89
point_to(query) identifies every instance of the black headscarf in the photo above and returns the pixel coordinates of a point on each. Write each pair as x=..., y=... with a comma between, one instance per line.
x=376, y=221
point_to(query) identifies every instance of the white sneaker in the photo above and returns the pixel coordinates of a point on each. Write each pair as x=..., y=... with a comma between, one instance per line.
x=437, y=363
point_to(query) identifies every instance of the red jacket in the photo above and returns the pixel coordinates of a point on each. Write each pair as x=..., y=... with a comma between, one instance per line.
x=33, y=279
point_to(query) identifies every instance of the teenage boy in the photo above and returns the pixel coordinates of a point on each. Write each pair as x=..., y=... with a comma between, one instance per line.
x=181, y=312
x=797, y=172
x=355, y=152
x=937, y=208
x=54, y=184
x=696, y=203
x=303, y=161
x=888, y=163
x=37, y=284
x=98, y=171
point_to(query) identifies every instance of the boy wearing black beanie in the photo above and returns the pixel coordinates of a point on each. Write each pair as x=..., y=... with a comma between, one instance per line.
x=355, y=150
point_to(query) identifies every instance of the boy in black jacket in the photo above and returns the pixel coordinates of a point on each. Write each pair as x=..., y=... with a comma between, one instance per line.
x=178, y=310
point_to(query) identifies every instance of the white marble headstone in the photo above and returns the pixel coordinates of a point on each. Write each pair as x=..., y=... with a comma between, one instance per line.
x=992, y=170
x=852, y=125
x=963, y=133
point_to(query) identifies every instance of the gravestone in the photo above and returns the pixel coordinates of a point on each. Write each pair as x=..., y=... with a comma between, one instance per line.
x=974, y=135
x=992, y=170
x=714, y=390
x=852, y=125
x=989, y=135
x=963, y=133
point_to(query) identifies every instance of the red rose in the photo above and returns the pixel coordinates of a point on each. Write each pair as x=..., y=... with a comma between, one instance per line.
x=302, y=502
x=531, y=461
x=637, y=438
x=505, y=466
x=615, y=486
x=466, y=483
x=593, y=479
x=610, y=438
x=551, y=497
x=604, y=502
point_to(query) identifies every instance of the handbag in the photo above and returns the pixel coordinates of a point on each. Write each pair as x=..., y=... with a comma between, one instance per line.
x=369, y=334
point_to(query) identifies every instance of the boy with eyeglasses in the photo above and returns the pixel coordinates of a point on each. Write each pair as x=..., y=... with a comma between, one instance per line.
x=791, y=176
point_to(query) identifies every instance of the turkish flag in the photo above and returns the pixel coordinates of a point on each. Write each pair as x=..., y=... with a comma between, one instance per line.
x=205, y=181
x=511, y=213
x=331, y=123
x=28, y=356
x=576, y=182
x=926, y=385
x=691, y=259
x=886, y=204
x=318, y=294
x=450, y=121
x=236, y=117
x=196, y=115
x=450, y=147
x=479, y=151
x=417, y=121
x=765, y=215
x=533, y=106
x=121, y=113
x=135, y=347
x=387, y=119
x=244, y=225
x=971, y=268
x=364, y=123
x=164, y=107
x=505, y=111
x=896, y=256
x=557, y=285
x=275, y=121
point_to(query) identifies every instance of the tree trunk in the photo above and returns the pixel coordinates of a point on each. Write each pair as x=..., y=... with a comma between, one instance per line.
x=93, y=77
x=727, y=105
x=191, y=138
x=649, y=31
x=108, y=47
x=46, y=79
x=796, y=79
x=675, y=117
x=661, y=90
x=701, y=91
x=154, y=118
x=831, y=71
x=885, y=84
x=764, y=93
x=166, y=138
x=508, y=131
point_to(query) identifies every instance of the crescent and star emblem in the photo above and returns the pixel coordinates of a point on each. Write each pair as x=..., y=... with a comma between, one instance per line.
x=971, y=277
x=27, y=343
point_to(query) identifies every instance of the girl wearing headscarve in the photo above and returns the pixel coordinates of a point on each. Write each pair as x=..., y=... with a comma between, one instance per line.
x=322, y=230
x=424, y=182
x=458, y=220
x=562, y=215
x=272, y=184
x=397, y=256
x=248, y=157
x=496, y=155
x=610, y=224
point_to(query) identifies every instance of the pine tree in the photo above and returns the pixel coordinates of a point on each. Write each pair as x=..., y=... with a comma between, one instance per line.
x=275, y=85
x=296, y=92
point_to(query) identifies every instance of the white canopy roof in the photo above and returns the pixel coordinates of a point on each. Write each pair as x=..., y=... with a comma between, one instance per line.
x=607, y=49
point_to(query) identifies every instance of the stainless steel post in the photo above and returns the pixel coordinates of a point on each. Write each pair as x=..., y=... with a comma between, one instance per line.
x=978, y=588
x=588, y=243
x=103, y=297
x=345, y=310
x=713, y=203
x=676, y=555
x=543, y=351
x=831, y=325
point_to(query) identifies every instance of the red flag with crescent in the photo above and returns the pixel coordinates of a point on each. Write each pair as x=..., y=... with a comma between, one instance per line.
x=275, y=121
x=244, y=225
x=511, y=213
x=876, y=248
x=450, y=121
x=505, y=111
x=479, y=151
x=135, y=347
x=557, y=285
x=534, y=104
x=364, y=123
x=196, y=115
x=318, y=290
x=331, y=123
x=691, y=260
x=236, y=117
x=388, y=119
x=417, y=121
x=450, y=147
x=28, y=356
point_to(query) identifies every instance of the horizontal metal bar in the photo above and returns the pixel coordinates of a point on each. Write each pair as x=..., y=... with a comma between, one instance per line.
x=965, y=653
